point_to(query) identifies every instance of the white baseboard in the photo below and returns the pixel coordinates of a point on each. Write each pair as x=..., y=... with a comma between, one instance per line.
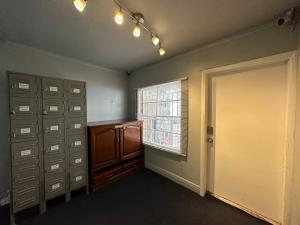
x=172, y=176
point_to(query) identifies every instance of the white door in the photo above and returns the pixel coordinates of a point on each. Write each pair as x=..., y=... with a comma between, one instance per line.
x=247, y=110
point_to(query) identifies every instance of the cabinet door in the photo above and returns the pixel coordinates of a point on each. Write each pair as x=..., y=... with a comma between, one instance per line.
x=104, y=146
x=131, y=139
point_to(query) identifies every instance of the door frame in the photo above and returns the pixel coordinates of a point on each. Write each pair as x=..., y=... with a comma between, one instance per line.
x=291, y=59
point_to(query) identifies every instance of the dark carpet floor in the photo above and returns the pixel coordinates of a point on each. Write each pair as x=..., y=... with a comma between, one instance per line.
x=144, y=198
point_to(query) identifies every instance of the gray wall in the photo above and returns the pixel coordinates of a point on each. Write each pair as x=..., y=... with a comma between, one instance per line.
x=107, y=90
x=262, y=41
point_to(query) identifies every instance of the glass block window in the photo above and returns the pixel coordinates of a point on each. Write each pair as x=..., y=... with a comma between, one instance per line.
x=163, y=109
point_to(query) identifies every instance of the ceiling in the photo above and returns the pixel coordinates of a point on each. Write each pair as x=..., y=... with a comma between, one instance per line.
x=93, y=36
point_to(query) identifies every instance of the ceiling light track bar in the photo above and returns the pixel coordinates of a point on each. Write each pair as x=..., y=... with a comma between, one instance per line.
x=137, y=18
x=131, y=14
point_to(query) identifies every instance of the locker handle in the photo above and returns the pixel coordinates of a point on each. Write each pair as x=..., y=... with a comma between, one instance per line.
x=45, y=112
x=13, y=134
x=13, y=112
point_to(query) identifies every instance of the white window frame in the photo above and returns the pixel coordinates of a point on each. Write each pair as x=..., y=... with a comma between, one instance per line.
x=183, y=116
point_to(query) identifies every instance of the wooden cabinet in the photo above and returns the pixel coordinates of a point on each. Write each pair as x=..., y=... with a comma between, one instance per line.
x=115, y=150
x=131, y=139
x=105, y=147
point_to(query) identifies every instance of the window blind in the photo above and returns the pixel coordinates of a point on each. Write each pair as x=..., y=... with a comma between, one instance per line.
x=163, y=109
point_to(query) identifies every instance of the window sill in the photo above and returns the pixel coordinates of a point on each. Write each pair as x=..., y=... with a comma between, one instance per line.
x=165, y=150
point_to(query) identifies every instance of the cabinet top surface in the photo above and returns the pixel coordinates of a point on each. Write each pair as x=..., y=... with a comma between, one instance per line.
x=109, y=122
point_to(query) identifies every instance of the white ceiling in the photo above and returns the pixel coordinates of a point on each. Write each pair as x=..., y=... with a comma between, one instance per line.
x=93, y=36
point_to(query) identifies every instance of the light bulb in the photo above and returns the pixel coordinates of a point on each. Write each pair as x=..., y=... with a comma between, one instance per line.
x=80, y=4
x=119, y=18
x=155, y=40
x=161, y=51
x=136, y=31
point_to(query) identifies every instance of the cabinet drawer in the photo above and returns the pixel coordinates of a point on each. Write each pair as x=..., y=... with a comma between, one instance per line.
x=54, y=186
x=75, y=89
x=25, y=173
x=53, y=128
x=25, y=152
x=54, y=166
x=24, y=130
x=25, y=196
x=22, y=85
x=106, y=176
x=53, y=108
x=78, y=159
x=77, y=126
x=54, y=147
x=23, y=108
x=77, y=178
x=52, y=88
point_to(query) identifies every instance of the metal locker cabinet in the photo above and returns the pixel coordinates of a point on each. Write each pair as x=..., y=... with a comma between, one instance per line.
x=53, y=137
x=48, y=139
x=76, y=134
x=24, y=141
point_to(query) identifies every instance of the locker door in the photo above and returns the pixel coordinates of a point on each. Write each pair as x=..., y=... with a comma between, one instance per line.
x=22, y=85
x=52, y=88
x=24, y=130
x=75, y=89
x=53, y=108
x=23, y=108
x=25, y=152
x=76, y=108
x=76, y=125
x=53, y=128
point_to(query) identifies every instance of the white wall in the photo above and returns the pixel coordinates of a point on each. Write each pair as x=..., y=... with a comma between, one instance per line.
x=262, y=41
x=295, y=217
x=107, y=90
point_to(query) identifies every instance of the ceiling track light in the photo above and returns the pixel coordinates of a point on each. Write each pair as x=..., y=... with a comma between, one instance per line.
x=119, y=17
x=155, y=40
x=80, y=4
x=139, y=21
x=136, y=31
x=161, y=51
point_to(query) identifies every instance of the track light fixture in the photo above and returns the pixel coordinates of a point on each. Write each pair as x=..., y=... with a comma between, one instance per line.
x=119, y=17
x=155, y=39
x=136, y=17
x=139, y=21
x=136, y=31
x=80, y=5
x=161, y=51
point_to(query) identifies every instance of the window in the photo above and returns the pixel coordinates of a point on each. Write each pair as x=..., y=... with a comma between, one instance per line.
x=164, y=111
